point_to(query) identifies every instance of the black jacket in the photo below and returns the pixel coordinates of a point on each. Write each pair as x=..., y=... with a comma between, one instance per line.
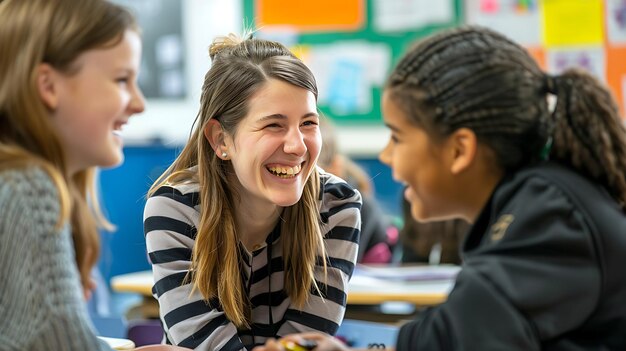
x=544, y=269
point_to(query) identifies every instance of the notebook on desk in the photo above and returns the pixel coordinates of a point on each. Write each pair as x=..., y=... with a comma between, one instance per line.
x=408, y=273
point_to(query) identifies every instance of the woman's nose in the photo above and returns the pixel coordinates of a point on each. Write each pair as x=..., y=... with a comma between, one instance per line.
x=294, y=143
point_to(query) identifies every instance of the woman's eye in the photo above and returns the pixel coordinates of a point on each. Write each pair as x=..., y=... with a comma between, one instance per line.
x=309, y=123
x=122, y=80
x=273, y=125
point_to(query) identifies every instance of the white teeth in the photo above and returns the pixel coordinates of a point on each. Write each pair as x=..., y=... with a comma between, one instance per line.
x=117, y=133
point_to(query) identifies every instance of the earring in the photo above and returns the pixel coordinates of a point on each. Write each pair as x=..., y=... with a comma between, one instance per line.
x=224, y=154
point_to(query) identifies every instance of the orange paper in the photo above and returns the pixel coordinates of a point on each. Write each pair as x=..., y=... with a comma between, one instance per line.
x=539, y=54
x=616, y=71
x=318, y=15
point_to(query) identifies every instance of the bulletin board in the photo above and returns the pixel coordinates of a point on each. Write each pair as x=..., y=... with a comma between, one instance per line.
x=561, y=34
x=350, y=45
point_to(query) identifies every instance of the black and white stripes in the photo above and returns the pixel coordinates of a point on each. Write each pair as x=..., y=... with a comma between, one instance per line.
x=170, y=221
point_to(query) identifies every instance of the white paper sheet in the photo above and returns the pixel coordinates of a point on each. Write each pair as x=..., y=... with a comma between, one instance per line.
x=616, y=21
x=591, y=58
x=401, y=15
x=520, y=23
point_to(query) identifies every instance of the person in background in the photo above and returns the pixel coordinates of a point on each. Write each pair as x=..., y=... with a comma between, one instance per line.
x=378, y=236
x=473, y=137
x=433, y=242
x=68, y=85
x=248, y=239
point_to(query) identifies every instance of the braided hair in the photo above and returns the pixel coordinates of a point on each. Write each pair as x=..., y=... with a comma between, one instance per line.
x=472, y=77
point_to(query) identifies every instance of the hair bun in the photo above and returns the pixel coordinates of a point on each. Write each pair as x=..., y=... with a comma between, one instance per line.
x=223, y=43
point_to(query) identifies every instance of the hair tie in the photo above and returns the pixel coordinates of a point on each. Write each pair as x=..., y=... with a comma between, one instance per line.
x=549, y=84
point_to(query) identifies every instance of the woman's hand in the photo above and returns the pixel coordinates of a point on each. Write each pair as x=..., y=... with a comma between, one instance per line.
x=324, y=342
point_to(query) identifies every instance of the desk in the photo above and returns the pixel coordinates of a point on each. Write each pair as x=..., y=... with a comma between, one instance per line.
x=119, y=344
x=419, y=285
x=138, y=282
x=365, y=288
x=366, y=291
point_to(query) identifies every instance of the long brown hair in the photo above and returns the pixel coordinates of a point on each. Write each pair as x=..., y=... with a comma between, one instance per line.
x=56, y=32
x=472, y=77
x=239, y=69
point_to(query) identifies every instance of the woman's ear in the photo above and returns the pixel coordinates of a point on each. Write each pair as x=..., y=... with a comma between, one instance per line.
x=46, y=85
x=463, y=143
x=214, y=133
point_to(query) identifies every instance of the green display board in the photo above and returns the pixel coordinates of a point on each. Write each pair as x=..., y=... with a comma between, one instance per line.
x=396, y=43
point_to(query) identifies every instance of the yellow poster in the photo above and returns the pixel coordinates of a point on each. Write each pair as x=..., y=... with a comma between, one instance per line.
x=572, y=22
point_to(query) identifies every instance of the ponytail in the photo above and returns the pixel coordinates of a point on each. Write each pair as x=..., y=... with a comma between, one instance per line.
x=588, y=133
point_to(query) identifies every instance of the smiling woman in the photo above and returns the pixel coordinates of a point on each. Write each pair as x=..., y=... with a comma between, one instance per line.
x=248, y=239
x=281, y=117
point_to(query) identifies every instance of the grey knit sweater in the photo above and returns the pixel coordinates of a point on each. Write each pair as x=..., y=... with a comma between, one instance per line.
x=41, y=303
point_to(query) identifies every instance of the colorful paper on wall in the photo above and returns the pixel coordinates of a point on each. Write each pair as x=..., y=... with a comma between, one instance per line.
x=616, y=70
x=346, y=72
x=590, y=59
x=572, y=22
x=517, y=19
x=616, y=21
x=318, y=15
x=403, y=15
x=539, y=54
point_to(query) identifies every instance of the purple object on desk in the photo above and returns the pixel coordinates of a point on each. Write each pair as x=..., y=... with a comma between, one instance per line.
x=145, y=332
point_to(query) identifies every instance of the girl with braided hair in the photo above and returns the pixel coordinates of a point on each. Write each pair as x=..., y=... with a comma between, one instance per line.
x=474, y=137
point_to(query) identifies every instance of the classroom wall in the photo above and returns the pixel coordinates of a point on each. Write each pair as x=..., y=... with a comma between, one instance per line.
x=548, y=28
x=168, y=120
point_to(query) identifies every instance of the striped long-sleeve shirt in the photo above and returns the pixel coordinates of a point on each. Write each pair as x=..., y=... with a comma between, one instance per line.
x=171, y=219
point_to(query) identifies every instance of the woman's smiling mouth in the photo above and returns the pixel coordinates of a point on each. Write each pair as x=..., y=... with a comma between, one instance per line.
x=285, y=171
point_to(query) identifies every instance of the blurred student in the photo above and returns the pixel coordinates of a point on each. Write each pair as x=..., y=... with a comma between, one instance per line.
x=377, y=235
x=247, y=238
x=68, y=73
x=473, y=137
x=432, y=242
